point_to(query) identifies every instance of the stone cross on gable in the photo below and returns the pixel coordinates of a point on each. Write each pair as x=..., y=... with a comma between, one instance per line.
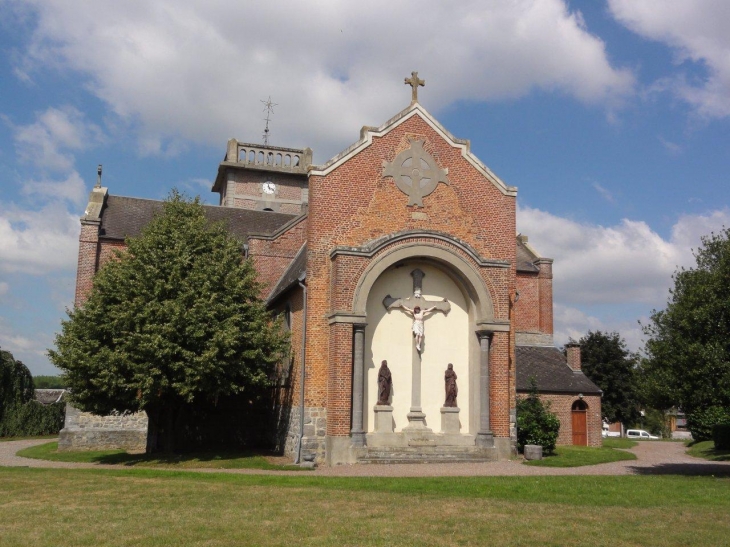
x=391, y=303
x=414, y=82
x=415, y=172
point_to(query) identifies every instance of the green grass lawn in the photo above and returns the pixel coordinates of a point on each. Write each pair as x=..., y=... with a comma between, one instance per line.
x=618, y=442
x=196, y=460
x=706, y=450
x=576, y=456
x=145, y=507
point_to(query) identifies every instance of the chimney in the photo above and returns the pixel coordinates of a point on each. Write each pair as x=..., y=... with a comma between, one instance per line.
x=573, y=351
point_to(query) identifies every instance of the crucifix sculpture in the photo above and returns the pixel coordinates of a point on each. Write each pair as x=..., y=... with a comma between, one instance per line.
x=416, y=417
x=417, y=306
x=414, y=82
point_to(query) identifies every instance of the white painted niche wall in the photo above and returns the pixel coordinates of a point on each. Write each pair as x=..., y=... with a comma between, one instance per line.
x=389, y=336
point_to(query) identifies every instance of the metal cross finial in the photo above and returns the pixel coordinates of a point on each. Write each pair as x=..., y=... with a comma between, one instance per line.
x=269, y=109
x=414, y=82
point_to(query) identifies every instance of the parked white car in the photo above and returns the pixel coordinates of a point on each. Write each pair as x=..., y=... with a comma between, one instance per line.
x=640, y=435
x=606, y=433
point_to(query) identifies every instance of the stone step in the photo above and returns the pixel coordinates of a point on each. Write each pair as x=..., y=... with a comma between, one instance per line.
x=428, y=454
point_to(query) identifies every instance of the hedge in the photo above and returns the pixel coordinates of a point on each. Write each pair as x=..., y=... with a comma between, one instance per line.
x=721, y=436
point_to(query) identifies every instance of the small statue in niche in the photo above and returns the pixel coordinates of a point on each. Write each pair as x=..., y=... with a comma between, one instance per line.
x=451, y=388
x=385, y=383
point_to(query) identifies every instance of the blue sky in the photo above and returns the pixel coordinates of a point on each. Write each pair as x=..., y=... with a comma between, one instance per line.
x=611, y=117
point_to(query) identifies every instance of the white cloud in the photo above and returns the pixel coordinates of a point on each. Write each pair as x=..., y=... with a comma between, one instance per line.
x=4, y=287
x=605, y=193
x=47, y=143
x=38, y=242
x=31, y=350
x=72, y=189
x=574, y=323
x=624, y=264
x=197, y=69
x=697, y=30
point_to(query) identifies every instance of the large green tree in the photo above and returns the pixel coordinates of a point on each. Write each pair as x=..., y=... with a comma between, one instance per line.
x=688, y=345
x=173, y=320
x=608, y=363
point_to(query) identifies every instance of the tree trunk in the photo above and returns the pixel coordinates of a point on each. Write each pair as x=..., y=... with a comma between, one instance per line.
x=161, y=428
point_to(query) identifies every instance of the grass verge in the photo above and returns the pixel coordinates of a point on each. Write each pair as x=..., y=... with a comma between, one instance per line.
x=618, y=442
x=151, y=507
x=706, y=450
x=194, y=460
x=577, y=456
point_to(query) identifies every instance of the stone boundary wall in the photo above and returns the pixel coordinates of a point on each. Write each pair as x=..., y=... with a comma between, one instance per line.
x=86, y=431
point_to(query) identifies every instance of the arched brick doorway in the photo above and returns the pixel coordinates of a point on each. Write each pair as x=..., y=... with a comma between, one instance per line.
x=579, y=413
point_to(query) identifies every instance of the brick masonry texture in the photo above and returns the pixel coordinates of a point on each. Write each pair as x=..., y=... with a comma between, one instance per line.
x=470, y=208
x=561, y=405
x=351, y=206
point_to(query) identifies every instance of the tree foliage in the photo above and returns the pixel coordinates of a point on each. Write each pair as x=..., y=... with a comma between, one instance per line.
x=20, y=414
x=608, y=363
x=535, y=423
x=688, y=346
x=173, y=320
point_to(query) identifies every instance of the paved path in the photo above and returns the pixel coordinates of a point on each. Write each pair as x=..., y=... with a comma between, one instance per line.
x=654, y=458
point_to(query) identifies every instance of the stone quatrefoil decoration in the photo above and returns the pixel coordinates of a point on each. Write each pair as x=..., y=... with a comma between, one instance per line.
x=415, y=173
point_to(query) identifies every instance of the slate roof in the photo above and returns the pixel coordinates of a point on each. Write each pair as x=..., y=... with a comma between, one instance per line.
x=550, y=368
x=124, y=217
x=296, y=270
x=49, y=396
x=525, y=258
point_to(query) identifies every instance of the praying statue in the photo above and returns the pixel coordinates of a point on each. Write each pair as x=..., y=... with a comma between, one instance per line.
x=451, y=389
x=385, y=383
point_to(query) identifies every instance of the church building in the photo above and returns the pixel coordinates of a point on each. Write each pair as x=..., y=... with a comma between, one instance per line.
x=418, y=315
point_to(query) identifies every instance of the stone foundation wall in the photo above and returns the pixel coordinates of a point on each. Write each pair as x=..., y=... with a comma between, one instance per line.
x=86, y=431
x=315, y=425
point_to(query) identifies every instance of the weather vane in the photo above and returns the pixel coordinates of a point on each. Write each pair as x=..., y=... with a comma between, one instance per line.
x=269, y=109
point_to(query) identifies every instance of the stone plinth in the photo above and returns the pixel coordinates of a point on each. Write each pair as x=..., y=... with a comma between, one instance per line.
x=450, y=420
x=417, y=422
x=533, y=452
x=383, y=418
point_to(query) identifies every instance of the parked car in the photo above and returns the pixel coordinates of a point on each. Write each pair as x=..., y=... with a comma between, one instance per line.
x=606, y=433
x=640, y=435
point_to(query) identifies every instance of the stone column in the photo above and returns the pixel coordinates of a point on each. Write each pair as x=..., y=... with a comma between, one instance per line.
x=416, y=417
x=484, y=435
x=358, y=368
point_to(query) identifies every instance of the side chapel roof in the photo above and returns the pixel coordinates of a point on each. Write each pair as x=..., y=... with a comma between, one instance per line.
x=296, y=271
x=550, y=369
x=124, y=217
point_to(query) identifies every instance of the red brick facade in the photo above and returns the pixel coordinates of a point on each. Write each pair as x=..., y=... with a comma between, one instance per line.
x=352, y=217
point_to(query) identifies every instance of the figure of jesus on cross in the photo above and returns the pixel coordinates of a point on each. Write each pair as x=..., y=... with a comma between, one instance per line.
x=416, y=311
x=418, y=317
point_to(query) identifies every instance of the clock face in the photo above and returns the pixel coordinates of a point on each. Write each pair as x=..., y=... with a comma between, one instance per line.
x=269, y=187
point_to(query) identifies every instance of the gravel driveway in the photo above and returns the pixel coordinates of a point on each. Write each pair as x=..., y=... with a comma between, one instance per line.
x=654, y=458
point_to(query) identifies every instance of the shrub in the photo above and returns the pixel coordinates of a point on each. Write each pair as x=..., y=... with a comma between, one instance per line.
x=701, y=422
x=535, y=423
x=721, y=436
x=32, y=418
x=20, y=414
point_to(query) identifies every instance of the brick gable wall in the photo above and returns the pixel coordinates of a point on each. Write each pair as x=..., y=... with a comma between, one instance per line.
x=354, y=204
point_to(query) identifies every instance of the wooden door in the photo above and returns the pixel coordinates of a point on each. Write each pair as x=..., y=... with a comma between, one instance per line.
x=580, y=434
